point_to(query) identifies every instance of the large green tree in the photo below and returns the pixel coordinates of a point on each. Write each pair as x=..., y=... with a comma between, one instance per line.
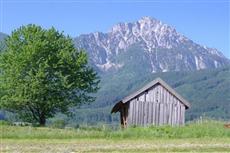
x=42, y=73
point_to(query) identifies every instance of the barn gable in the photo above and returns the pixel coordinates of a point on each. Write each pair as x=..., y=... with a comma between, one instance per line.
x=156, y=103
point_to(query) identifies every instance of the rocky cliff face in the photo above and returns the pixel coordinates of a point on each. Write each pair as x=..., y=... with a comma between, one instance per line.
x=159, y=44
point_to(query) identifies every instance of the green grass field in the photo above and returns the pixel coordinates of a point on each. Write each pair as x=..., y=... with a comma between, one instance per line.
x=209, y=136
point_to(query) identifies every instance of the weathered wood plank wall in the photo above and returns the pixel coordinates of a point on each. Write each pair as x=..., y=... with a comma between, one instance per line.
x=157, y=106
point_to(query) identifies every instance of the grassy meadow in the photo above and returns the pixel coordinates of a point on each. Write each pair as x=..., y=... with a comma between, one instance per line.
x=208, y=136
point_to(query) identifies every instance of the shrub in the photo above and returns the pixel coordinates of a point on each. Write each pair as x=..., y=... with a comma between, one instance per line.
x=3, y=122
x=58, y=124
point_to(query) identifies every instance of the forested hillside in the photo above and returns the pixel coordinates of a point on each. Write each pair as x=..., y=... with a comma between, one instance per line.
x=208, y=91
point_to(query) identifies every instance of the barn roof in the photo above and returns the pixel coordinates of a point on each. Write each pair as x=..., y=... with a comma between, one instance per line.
x=144, y=89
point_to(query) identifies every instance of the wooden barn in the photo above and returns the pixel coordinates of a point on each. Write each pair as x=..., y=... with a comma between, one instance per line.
x=154, y=104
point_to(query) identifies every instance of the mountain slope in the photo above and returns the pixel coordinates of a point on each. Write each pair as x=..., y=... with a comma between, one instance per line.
x=208, y=91
x=2, y=36
x=160, y=45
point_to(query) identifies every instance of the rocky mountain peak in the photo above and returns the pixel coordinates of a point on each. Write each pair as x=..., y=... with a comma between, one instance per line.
x=152, y=32
x=160, y=44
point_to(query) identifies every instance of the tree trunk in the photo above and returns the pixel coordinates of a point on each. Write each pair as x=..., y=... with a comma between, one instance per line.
x=42, y=120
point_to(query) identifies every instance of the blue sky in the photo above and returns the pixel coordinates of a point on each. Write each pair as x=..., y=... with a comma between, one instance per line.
x=206, y=22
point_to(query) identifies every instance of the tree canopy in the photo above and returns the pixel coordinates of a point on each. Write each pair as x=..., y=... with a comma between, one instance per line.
x=42, y=73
